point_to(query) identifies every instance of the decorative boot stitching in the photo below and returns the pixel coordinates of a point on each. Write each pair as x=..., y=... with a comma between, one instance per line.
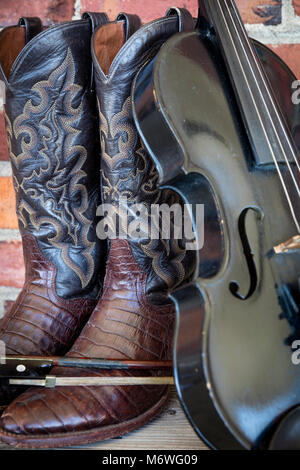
x=124, y=157
x=53, y=185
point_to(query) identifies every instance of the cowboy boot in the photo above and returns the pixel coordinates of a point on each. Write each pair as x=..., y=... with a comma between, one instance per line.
x=134, y=318
x=52, y=129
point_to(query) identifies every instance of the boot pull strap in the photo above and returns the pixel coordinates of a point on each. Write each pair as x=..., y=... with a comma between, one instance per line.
x=185, y=19
x=33, y=26
x=132, y=23
x=96, y=19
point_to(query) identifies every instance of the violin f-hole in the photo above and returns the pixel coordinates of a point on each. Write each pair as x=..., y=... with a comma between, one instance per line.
x=234, y=286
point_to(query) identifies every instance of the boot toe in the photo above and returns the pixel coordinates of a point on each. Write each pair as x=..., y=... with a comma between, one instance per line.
x=40, y=412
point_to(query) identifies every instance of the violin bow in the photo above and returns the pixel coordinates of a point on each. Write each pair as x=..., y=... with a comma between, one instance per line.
x=50, y=381
x=30, y=371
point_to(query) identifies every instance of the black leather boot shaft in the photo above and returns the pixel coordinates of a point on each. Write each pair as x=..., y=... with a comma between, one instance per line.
x=126, y=168
x=53, y=137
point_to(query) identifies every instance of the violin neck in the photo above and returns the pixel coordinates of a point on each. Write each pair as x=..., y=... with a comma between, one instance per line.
x=266, y=127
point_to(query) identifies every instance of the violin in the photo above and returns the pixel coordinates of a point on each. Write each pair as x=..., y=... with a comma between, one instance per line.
x=215, y=112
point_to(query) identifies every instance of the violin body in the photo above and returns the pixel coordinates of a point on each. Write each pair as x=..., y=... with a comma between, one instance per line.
x=237, y=322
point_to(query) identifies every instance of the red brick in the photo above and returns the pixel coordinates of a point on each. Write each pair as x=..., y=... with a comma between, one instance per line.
x=12, y=264
x=148, y=11
x=50, y=11
x=296, y=4
x=260, y=11
x=3, y=142
x=290, y=54
x=8, y=218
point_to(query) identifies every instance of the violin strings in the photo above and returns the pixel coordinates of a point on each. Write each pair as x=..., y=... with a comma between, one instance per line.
x=259, y=116
x=271, y=149
x=271, y=121
x=263, y=99
x=266, y=86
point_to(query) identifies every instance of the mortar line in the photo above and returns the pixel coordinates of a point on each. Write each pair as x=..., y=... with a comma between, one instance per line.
x=9, y=235
x=77, y=10
x=287, y=11
x=5, y=169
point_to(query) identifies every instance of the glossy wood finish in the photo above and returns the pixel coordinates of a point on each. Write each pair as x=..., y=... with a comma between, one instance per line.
x=233, y=366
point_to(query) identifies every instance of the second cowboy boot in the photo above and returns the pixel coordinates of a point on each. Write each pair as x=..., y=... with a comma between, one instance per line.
x=134, y=318
x=52, y=128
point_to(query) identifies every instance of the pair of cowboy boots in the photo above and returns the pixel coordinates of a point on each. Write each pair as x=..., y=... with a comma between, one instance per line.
x=56, y=154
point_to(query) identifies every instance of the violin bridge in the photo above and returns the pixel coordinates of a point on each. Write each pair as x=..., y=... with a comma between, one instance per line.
x=290, y=245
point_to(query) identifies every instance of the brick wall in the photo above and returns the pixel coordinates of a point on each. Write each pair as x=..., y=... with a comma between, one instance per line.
x=276, y=23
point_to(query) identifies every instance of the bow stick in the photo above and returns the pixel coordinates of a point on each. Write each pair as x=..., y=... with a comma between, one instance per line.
x=50, y=381
x=30, y=370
